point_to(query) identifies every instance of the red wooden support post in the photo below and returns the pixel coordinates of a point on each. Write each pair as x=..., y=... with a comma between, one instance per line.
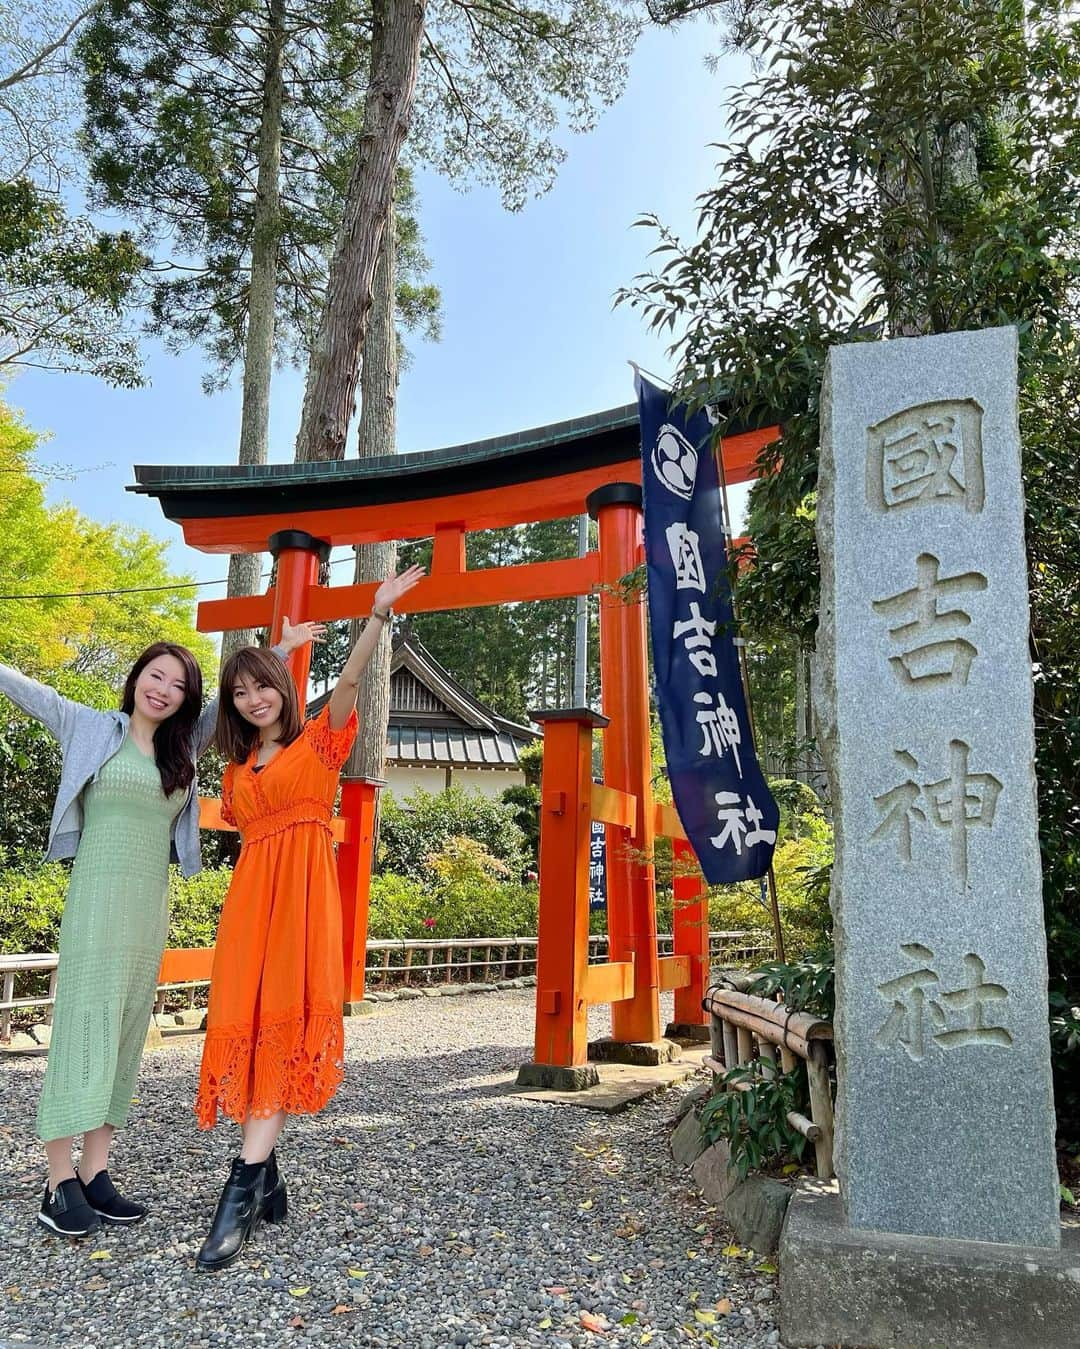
x=298, y=555
x=562, y=958
x=627, y=762
x=359, y=797
x=691, y=937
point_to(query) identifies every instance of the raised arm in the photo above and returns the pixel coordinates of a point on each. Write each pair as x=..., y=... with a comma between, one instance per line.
x=52, y=709
x=292, y=636
x=343, y=698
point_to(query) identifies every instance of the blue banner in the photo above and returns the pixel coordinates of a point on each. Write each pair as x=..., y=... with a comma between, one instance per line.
x=723, y=801
x=597, y=866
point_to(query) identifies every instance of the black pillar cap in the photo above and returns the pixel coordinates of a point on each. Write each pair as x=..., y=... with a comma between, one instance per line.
x=298, y=538
x=542, y=714
x=613, y=494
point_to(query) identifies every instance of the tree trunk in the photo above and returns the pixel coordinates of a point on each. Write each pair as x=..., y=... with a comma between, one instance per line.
x=375, y=561
x=329, y=399
x=245, y=568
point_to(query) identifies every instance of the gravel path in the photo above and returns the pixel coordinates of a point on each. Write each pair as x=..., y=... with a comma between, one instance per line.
x=428, y=1208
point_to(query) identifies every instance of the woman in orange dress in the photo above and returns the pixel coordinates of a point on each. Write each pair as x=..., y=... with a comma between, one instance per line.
x=274, y=1038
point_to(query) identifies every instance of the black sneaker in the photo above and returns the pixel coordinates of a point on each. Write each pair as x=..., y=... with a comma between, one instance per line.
x=109, y=1204
x=66, y=1212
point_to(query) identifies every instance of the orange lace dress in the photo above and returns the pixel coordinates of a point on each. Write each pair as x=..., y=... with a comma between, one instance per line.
x=274, y=1038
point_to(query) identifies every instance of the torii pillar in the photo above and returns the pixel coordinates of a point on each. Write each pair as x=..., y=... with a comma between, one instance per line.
x=635, y=1021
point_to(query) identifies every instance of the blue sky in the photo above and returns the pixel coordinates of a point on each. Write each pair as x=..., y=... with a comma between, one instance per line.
x=529, y=332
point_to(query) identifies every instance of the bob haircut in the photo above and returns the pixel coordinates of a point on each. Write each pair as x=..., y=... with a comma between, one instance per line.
x=235, y=737
x=173, y=750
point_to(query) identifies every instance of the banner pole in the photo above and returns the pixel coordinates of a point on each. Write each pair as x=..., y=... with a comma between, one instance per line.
x=718, y=453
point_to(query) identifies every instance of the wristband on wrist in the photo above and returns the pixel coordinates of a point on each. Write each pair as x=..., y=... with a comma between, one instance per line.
x=383, y=618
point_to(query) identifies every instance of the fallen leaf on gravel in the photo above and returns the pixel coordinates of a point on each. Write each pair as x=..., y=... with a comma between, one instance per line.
x=586, y=1205
x=95, y=1285
x=545, y=1324
x=341, y=1309
x=705, y=1318
x=732, y=1250
x=466, y=1250
x=594, y=1323
x=358, y=1273
x=425, y=1251
x=297, y=1323
x=101, y=1255
x=701, y=1228
x=630, y=1319
x=266, y=1273
x=789, y=1169
x=646, y=1337
x=595, y=1259
x=558, y=1290
x=300, y=1292
x=359, y=1205
x=691, y=1255
x=724, y=1306
x=766, y=1267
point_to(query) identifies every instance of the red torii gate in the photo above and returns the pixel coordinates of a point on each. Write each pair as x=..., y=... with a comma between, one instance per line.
x=299, y=511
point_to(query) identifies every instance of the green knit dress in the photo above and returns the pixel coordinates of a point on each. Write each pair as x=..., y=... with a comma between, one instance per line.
x=111, y=940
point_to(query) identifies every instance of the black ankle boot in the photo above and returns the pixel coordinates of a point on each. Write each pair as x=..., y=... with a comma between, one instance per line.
x=275, y=1201
x=239, y=1212
x=106, y=1201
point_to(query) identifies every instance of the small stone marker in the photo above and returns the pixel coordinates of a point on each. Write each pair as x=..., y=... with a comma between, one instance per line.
x=945, y=1115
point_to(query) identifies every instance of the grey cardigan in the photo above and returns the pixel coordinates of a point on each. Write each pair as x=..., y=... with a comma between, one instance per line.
x=88, y=739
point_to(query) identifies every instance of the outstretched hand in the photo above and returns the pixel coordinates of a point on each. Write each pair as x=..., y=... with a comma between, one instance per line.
x=392, y=590
x=295, y=635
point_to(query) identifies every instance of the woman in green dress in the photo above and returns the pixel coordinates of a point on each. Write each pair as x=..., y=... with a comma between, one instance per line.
x=126, y=804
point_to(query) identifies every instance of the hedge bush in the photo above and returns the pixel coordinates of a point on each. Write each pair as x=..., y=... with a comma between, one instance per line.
x=32, y=905
x=410, y=832
x=467, y=893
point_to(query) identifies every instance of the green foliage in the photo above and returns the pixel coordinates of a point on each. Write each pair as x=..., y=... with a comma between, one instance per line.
x=524, y=800
x=467, y=894
x=475, y=895
x=63, y=288
x=514, y=658
x=801, y=864
x=32, y=896
x=31, y=906
x=412, y=832
x=175, y=100
x=195, y=905
x=1065, y=1056
x=806, y=985
x=64, y=283
x=753, y=1120
x=83, y=645
x=531, y=761
x=899, y=169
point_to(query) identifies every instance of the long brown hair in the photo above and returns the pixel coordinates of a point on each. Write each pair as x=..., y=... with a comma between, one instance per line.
x=235, y=737
x=173, y=751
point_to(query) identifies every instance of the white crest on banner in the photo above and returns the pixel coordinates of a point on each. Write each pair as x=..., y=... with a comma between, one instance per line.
x=674, y=461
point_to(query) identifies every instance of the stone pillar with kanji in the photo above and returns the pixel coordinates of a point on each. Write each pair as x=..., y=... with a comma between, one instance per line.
x=924, y=698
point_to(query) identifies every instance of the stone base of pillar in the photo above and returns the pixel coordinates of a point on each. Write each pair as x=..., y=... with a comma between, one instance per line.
x=550, y=1077
x=364, y=1007
x=643, y=1054
x=687, y=1030
x=848, y=1287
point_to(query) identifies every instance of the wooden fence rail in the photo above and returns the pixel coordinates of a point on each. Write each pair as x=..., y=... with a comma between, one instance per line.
x=743, y=1028
x=30, y=980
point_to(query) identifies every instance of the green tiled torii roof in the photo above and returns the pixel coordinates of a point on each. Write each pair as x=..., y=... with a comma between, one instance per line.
x=602, y=437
